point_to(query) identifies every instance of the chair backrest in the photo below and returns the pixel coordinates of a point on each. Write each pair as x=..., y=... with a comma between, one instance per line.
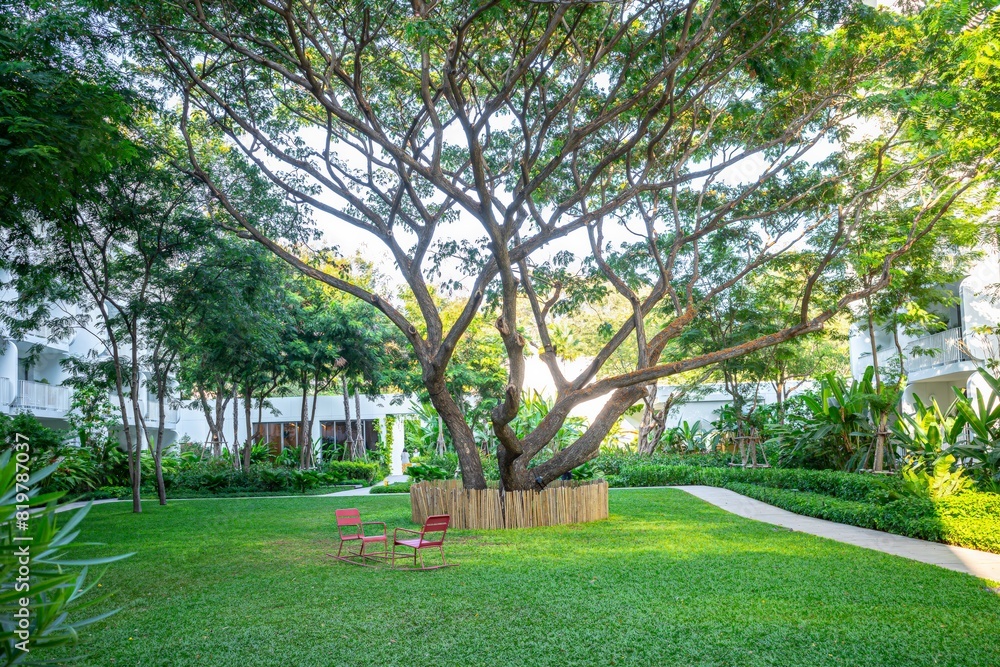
x=347, y=519
x=434, y=525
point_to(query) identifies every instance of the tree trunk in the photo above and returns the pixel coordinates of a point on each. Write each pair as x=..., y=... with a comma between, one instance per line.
x=899, y=351
x=642, y=445
x=304, y=436
x=883, y=422
x=779, y=397
x=212, y=428
x=221, y=401
x=349, y=447
x=136, y=473
x=874, y=347
x=308, y=455
x=161, y=397
x=236, y=426
x=462, y=436
x=247, y=397
x=359, y=426
x=654, y=422
x=129, y=448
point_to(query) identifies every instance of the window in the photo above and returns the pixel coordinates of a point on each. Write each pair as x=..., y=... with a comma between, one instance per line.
x=277, y=435
x=336, y=431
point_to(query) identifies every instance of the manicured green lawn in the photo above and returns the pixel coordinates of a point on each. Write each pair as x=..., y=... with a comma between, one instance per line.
x=668, y=580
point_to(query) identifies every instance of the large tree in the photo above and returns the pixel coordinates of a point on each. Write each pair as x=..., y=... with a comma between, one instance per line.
x=496, y=133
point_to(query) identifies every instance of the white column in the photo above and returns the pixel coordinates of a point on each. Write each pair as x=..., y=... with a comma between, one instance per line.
x=398, y=438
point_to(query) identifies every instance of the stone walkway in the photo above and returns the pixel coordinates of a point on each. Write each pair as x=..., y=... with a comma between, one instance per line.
x=977, y=563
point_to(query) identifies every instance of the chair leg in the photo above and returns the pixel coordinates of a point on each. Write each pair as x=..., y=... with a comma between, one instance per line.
x=441, y=549
x=340, y=548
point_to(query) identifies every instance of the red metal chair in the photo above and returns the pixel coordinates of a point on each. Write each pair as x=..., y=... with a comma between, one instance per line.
x=350, y=520
x=432, y=527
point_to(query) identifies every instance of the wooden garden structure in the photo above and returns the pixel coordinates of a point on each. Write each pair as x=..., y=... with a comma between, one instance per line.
x=561, y=502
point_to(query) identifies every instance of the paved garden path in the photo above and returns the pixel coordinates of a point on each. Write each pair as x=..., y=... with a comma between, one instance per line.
x=970, y=561
x=391, y=479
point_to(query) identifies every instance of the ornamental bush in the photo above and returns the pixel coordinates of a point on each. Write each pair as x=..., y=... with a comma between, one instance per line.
x=362, y=471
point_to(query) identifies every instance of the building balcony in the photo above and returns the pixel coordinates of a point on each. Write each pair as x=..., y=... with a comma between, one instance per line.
x=169, y=418
x=41, y=396
x=44, y=336
x=941, y=349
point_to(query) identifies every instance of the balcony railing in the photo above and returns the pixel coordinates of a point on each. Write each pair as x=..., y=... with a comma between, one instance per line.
x=938, y=349
x=169, y=417
x=6, y=392
x=41, y=396
x=43, y=331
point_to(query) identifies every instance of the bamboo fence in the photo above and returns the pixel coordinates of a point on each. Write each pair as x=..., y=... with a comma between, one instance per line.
x=490, y=508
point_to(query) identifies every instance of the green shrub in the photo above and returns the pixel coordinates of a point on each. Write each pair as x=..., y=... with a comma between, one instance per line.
x=104, y=493
x=491, y=469
x=981, y=533
x=303, y=480
x=970, y=505
x=342, y=471
x=937, y=480
x=447, y=462
x=398, y=487
x=421, y=472
x=611, y=463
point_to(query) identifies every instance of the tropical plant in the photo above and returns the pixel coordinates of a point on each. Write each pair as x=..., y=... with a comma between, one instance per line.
x=57, y=583
x=303, y=480
x=925, y=434
x=273, y=479
x=289, y=457
x=77, y=470
x=939, y=480
x=585, y=471
x=422, y=472
x=534, y=407
x=424, y=431
x=692, y=438
x=843, y=426
x=981, y=452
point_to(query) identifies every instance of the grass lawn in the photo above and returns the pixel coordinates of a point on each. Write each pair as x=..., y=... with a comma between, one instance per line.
x=668, y=580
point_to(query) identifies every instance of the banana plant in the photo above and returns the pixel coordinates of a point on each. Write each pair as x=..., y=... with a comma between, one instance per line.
x=844, y=425
x=982, y=448
x=926, y=434
x=938, y=480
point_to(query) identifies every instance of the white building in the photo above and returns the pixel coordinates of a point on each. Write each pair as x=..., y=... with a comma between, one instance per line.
x=32, y=379
x=936, y=363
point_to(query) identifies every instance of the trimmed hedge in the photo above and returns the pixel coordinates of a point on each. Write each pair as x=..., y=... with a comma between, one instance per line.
x=870, y=501
x=397, y=487
x=341, y=471
x=846, y=486
x=213, y=479
x=611, y=464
